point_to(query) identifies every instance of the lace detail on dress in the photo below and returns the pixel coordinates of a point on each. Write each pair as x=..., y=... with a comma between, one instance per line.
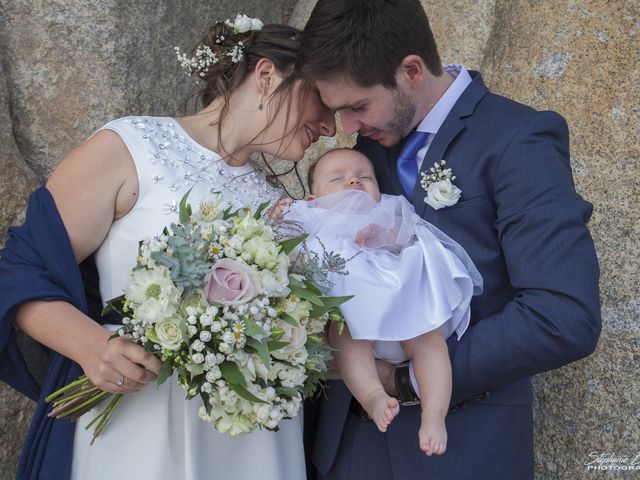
x=169, y=146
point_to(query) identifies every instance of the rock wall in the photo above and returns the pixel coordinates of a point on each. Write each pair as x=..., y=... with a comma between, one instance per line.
x=580, y=58
x=69, y=66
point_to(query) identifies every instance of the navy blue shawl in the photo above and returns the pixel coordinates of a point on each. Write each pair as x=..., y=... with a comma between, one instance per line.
x=38, y=263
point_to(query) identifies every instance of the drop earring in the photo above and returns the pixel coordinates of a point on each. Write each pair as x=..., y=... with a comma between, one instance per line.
x=261, y=106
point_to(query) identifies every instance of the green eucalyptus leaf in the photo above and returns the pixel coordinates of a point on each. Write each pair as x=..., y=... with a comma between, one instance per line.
x=115, y=305
x=289, y=319
x=262, y=349
x=277, y=345
x=232, y=374
x=185, y=209
x=165, y=372
x=289, y=392
x=261, y=209
x=328, y=303
x=252, y=329
x=288, y=245
x=242, y=391
x=306, y=294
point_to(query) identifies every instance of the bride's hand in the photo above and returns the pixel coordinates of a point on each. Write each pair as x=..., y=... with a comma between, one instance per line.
x=119, y=365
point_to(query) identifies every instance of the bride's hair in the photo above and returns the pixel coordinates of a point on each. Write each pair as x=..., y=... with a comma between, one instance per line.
x=236, y=55
x=224, y=58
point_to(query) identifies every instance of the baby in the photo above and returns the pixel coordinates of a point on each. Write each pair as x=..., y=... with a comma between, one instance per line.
x=412, y=285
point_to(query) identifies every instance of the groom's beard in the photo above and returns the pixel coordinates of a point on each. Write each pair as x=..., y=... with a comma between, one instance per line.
x=402, y=121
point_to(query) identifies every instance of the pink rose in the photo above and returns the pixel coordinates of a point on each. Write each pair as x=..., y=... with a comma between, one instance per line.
x=230, y=283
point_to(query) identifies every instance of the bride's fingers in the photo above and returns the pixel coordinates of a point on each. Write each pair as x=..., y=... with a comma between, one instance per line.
x=147, y=363
x=125, y=362
x=144, y=360
x=125, y=384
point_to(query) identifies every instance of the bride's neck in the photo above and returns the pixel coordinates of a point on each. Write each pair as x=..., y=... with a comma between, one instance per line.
x=232, y=141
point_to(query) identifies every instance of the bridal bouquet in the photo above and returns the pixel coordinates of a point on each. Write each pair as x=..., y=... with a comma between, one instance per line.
x=234, y=312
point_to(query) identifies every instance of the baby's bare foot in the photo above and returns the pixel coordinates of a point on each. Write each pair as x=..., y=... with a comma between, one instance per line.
x=432, y=435
x=382, y=409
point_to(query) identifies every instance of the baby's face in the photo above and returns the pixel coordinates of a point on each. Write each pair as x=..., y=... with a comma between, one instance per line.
x=345, y=170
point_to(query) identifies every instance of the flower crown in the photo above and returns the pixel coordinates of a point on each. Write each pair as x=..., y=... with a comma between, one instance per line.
x=204, y=57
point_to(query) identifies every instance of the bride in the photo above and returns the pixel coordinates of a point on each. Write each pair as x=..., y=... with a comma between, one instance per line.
x=121, y=185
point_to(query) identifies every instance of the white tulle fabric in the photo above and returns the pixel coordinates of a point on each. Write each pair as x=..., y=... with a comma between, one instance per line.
x=421, y=281
x=156, y=433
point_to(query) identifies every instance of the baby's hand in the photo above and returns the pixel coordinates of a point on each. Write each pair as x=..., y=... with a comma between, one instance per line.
x=280, y=208
x=375, y=236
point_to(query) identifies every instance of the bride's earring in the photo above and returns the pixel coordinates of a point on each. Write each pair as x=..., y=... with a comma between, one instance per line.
x=261, y=106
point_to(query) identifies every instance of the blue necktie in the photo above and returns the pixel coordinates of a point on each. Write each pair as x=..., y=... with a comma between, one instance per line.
x=407, y=166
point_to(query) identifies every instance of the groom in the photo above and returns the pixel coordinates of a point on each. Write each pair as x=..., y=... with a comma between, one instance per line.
x=512, y=205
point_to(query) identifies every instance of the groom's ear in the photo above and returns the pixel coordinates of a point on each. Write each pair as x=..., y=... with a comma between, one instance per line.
x=264, y=73
x=412, y=69
x=311, y=197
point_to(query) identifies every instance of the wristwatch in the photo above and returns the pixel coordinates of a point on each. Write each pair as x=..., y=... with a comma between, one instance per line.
x=406, y=394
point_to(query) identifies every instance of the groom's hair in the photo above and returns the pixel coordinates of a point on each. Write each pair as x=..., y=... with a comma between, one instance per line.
x=364, y=41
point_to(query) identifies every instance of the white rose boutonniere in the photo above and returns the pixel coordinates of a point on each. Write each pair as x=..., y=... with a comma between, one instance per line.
x=438, y=183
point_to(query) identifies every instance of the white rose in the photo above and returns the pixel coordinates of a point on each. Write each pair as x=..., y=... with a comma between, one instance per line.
x=260, y=368
x=236, y=242
x=169, y=333
x=256, y=24
x=271, y=284
x=297, y=309
x=262, y=411
x=442, y=194
x=297, y=337
x=248, y=227
x=233, y=425
x=263, y=251
x=214, y=374
x=292, y=376
x=243, y=23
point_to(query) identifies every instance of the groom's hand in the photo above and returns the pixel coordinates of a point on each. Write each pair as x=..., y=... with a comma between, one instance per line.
x=386, y=372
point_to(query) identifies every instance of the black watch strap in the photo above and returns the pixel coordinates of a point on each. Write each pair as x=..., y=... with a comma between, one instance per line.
x=406, y=394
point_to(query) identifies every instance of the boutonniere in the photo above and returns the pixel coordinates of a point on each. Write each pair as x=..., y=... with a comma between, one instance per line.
x=437, y=182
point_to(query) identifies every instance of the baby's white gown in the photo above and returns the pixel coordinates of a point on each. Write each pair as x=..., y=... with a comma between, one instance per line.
x=156, y=433
x=426, y=283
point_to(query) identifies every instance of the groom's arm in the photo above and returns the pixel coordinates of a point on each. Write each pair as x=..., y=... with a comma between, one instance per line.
x=554, y=318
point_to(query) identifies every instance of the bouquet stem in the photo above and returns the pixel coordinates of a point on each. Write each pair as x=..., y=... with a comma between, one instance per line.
x=77, y=398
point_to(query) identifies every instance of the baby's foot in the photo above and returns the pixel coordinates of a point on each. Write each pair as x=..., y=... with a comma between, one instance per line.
x=432, y=435
x=382, y=409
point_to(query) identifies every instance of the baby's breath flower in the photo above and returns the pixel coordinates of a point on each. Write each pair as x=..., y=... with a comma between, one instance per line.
x=199, y=63
x=197, y=358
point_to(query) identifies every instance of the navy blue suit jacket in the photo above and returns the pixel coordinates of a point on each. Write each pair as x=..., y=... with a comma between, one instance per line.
x=523, y=224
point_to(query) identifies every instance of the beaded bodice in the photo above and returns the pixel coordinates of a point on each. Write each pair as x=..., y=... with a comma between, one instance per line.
x=169, y=163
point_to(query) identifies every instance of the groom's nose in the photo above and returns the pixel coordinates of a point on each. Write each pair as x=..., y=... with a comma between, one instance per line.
x=350, y=124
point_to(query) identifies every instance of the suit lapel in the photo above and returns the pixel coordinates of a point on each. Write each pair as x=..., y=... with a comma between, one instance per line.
x=450, y=129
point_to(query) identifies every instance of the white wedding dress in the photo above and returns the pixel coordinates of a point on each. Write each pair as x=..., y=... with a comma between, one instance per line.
x=156, y=433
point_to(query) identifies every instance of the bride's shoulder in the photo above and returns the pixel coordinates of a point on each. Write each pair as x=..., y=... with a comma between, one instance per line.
x=135, y=122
